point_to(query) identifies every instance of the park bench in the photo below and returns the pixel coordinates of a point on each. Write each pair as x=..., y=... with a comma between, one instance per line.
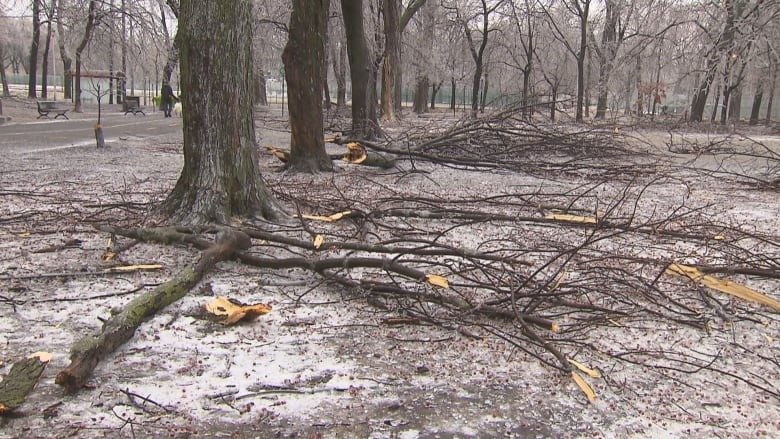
x=133, y=105
x=46, y=107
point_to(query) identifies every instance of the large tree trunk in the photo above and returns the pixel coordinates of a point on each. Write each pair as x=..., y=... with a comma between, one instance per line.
x=220, y=178
x=453, y=91
x=46, y=49
x=757, y=98
x=325, y=87
x=434, y=91
x=421, y=95
x=359, y=65
x=483, y=99
x=771, y=100
x=606, y=55
x=173, y=50
x=715, y=106
x=67, y=62
x=735, y=105
x=3, y=78
x=339, y=62
x=261, y=97
x=302, y=57
x=392, y=60
x=581, y=68
x=36, y=39
x=80, y=49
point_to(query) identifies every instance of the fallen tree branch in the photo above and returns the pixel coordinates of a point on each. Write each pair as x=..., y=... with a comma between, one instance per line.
x=90, y=350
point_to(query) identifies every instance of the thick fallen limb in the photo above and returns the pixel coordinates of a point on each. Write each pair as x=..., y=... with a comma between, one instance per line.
x=384, y=161
x=20, y=381
x=87, y=352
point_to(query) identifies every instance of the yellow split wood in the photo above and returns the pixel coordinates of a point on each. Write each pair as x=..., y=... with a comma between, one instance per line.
x=724, y=285
x=233, y=311
x=328, y=219
x=43, y=357
x=572, y=218
x=131, y=268
x=584, y=386
x=585, y=369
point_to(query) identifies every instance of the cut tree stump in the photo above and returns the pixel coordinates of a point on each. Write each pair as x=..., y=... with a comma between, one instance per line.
x=20, y=381
x=87, y=352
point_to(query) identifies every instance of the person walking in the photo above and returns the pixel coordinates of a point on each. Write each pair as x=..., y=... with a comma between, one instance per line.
x=167, y=99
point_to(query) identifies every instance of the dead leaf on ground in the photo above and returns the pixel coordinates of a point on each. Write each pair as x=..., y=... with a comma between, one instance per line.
x=318, y=241
x=231, y=311
x=437, y=280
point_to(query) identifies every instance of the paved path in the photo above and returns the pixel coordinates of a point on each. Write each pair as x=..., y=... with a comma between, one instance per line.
x=45, y=134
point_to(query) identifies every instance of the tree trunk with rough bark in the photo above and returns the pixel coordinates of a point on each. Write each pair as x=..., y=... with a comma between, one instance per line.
x=3, y=78
x=420, y=104
x=339, y=62
x=392, y=60
x=771, y=100
x=302, y=57
x=67, y=61
x=32, y=71
x=434, y=91
x=359, y=65
x=80, y=49
x=606, y=56
x=220, y=179
x=757, y=98
x=46, y=50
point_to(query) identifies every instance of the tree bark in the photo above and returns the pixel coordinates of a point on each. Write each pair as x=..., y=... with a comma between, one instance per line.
x=581, y=54
x=36, y=39
x=90, y=350
x=220, y=178
x=80, y=49
x=434, y=91
x=340, y=72
x=3, y=78
x=19, y=382
x=771, y=100
x=67, y=61
x=420, y=104
x=46, y=49
x=392, y=60
x=477, y=54
x=359, y=66
x=302, y=57
x=261, y=98
x=606, y=56
x=757, y=98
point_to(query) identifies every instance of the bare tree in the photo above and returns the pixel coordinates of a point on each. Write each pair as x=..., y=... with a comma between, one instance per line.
x=302, y=58
x=88, y=28
x=32, y=70
x=220, y=178
x=580, y=10
x=476, y=43
x=359, y=65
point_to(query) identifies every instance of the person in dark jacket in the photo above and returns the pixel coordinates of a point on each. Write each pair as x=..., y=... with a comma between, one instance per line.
x=167, y=99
